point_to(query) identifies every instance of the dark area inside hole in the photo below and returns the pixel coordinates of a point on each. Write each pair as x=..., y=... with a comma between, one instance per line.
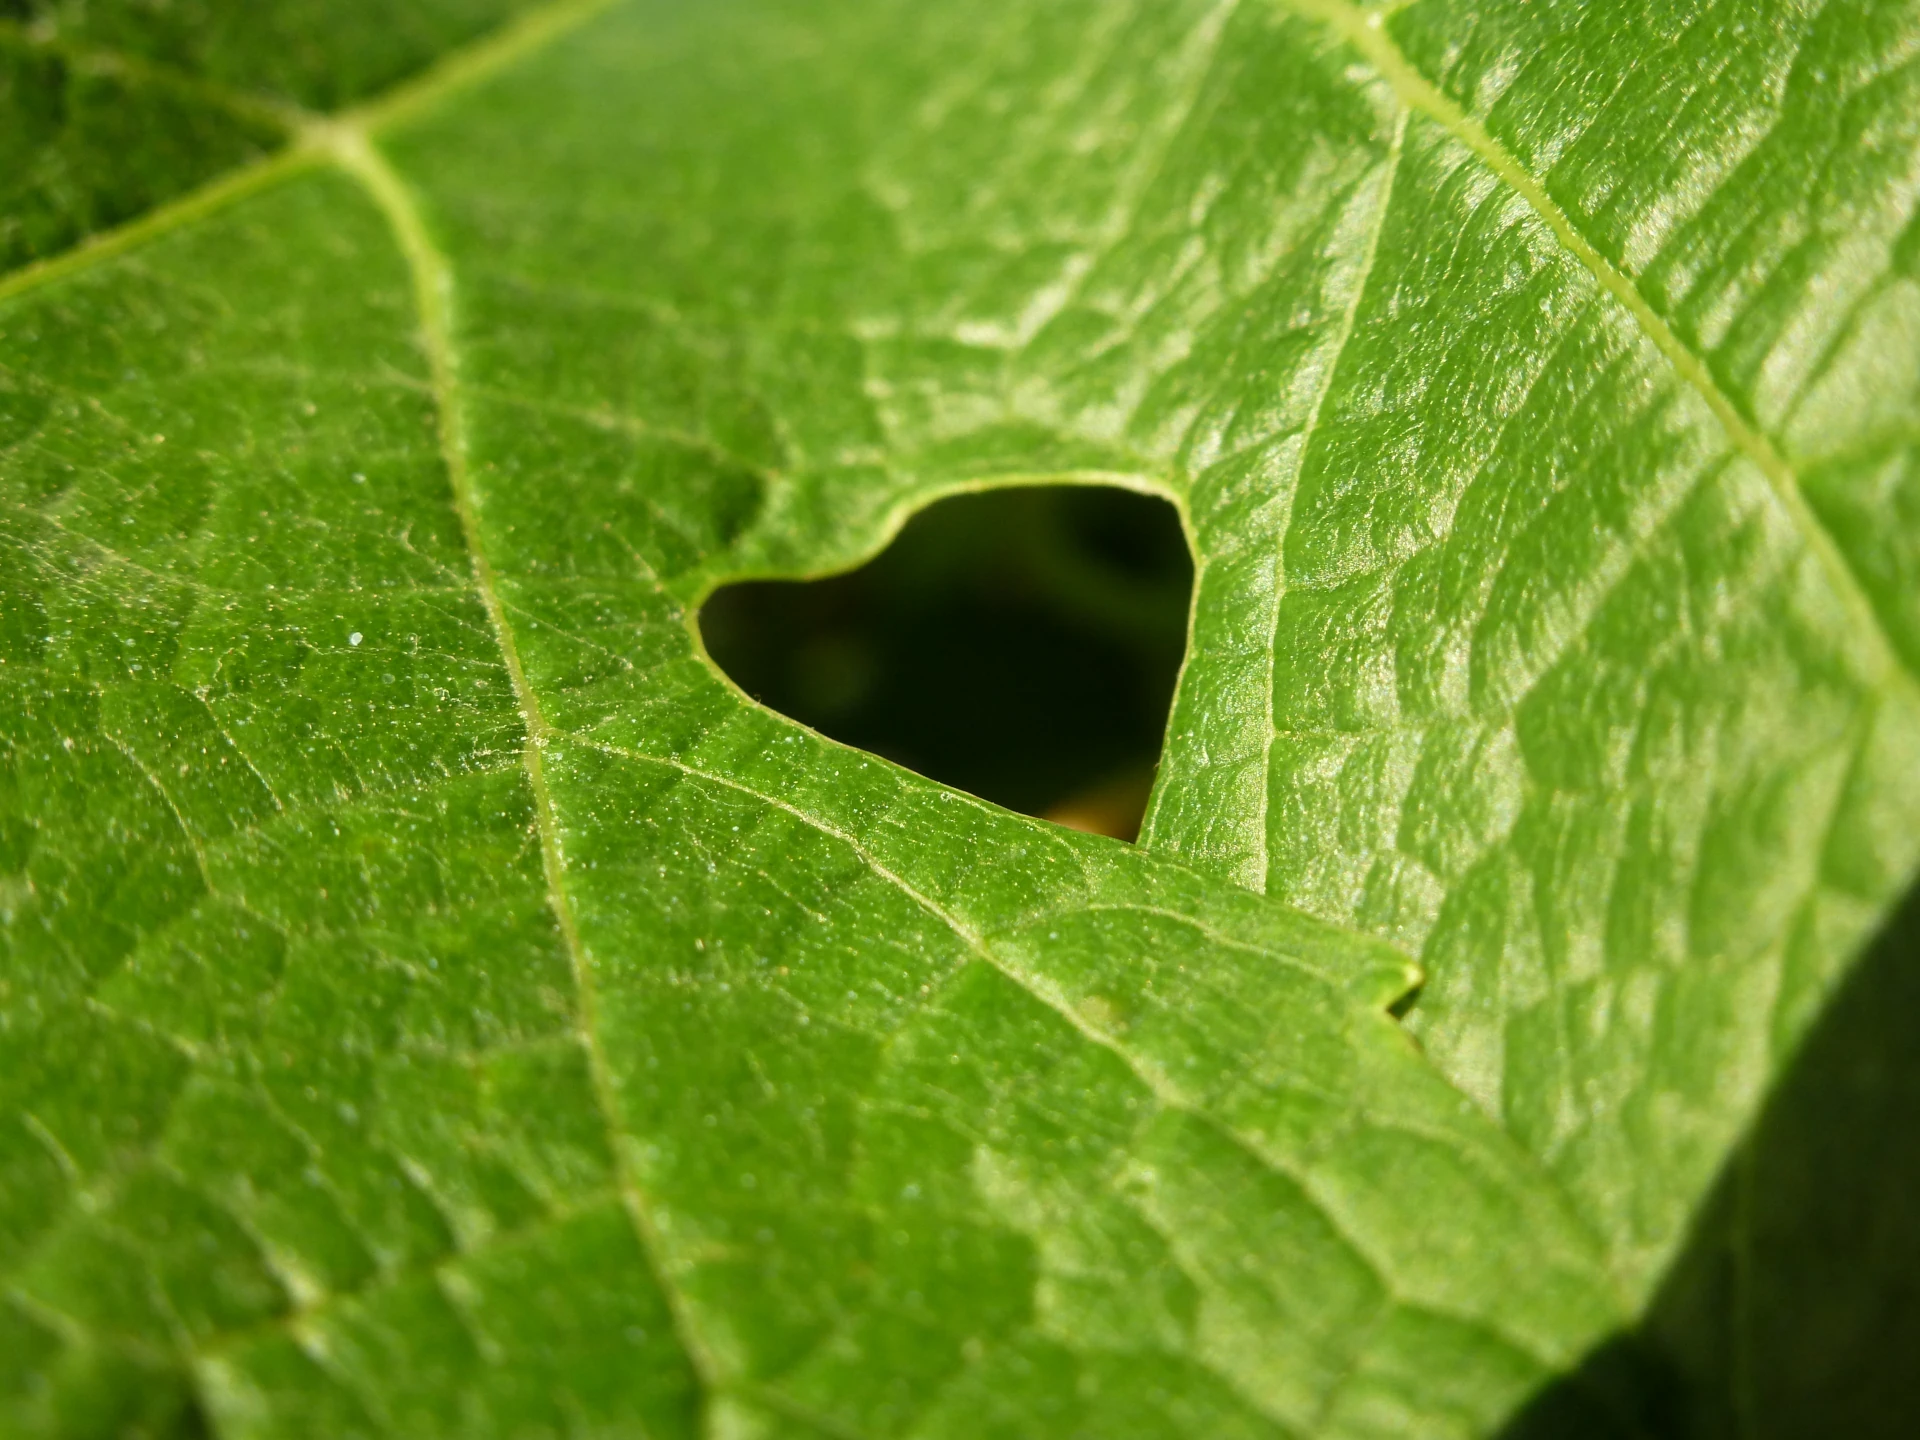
x=1018, y=644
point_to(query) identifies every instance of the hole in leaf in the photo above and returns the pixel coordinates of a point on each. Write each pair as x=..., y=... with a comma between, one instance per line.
x=1019, y=644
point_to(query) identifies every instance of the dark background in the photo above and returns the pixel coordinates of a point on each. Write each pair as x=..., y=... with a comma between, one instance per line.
x=1019, y=644
x=1794, y=1308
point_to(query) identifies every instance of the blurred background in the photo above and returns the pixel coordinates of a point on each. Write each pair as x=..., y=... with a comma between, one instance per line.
x=1019, y=644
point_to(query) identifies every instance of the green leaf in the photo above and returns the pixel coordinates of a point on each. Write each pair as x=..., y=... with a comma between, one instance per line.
x=436, y=1002
x=1594, y=626
x=109, y=107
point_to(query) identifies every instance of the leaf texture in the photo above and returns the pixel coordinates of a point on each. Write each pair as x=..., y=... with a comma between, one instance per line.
x=110, y=107
x=436, y=1002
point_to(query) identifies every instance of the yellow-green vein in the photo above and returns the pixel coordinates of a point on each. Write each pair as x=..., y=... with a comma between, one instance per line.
x=1366, y=32
x=355, y=153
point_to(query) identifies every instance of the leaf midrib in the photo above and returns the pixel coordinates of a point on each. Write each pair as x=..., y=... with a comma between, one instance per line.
x=432, y=278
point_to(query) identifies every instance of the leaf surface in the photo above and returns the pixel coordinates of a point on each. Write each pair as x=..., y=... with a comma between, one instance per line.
x=437, y=1002
x=111, y=107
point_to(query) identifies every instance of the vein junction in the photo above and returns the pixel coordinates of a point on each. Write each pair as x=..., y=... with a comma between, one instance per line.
x=348, y=144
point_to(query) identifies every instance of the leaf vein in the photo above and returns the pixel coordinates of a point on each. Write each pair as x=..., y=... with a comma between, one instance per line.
x=1341, y=338
x=355, y=154
x=1367, y=34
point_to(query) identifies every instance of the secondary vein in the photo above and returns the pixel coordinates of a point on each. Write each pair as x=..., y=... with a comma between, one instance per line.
x=1367, y=33
x=260, y=107
x=472, y=64
x=1166, y=1092
x=210, y=198
x=352, y=150
x=1342, y=336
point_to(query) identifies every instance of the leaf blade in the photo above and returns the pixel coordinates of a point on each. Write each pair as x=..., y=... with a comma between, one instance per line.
x=1095, y=1071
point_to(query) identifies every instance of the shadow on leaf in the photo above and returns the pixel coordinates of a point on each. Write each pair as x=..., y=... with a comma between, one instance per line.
x=1794, y=1308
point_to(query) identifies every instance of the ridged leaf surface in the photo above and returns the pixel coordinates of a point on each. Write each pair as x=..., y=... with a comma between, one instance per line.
x=435, y=1002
